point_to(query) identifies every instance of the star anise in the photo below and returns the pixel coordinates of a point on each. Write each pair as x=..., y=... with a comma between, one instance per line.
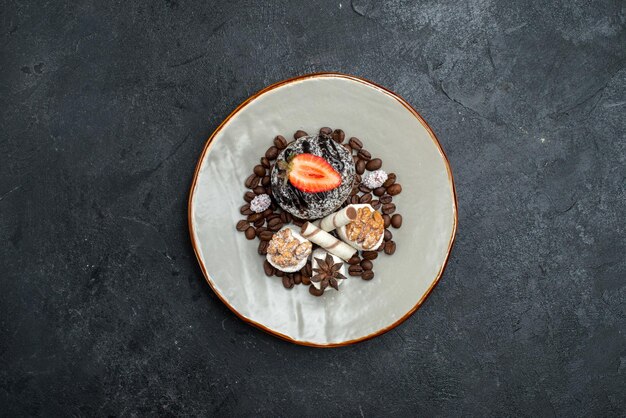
x=327, y=273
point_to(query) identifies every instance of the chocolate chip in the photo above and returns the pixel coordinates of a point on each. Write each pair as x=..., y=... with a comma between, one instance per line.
x=387, y=220
x=265, y=162
x=280, y=142
x=242, y=225
x=384, y=199
x=379, y=191
x=315, y=291
x=299, y=134
x=396, y=220
x=265, y=181
x=364, y=188
x=271, y=153
x=367, y=265
x=394, y=189
x=248, y=196
x=259, y=170
x=262, y=250
x=326, y=131
x=367, y=275
x=355, y=270
x=353, y=260
x=390, y=247
x=388, y=234
x=266, y=235
x=297, y=278
x=391, y=179
x=250, y=232
x=338, y=135
x=287, y=282
x=259, y=223
x=354, y=200
x=366, y=198
x=255, y=217
x=375, y=204
x=360, y=167
x=355, y=143
x=369, y=255
x=374, y=164
x=364, y=154
x=259, y=190
x=274, y=224
x=268, y=268
x=252, y=181
x=245, y=209
x=388, y=209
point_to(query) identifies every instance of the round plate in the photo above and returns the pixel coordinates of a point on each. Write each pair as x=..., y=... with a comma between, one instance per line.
x=391, y=130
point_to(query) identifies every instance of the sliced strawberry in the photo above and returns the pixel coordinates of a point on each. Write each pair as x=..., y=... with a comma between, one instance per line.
x=312, y=174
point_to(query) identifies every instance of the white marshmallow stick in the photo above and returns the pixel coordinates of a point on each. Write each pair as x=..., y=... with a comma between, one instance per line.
x=327, y=241
x=338, y=219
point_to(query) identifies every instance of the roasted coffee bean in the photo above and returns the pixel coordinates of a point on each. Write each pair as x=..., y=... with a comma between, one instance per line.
x=367, y=275
x=379, y=191
x=271, y=153
x=391, y=179
x=269, y=192
x=297, y=278
x=260, y=230
x=353, y=260
x=387, y=220
x=306, y=280
x=369, y=255
x=374, y=164
x=254, y=217
x=390, y=247
x=381, y=247
x=259, y=223
x=275, y=224
x=280, y=142
x=259, y=170
x=265, y=181
x=348, y=148
x=245, y=209
x=268, y=268
x=266, y=235
x=297, y=222
x=394, y=189
x=384, y=199
x=357, y=178
x=267, y=213
x=252, y=181
x=364, y=188
x=283, y=217
x=388, y=234
x=366, y=198
x=354, y=191
x=272, y=216
x=250, y=232
x=287, y=282
x=279, y=273
x=364, y=154
x=248, y=196
x=355, y=159
x=299, y=134
x=354, y=200
x=265, y=162
x=289, y=217
x=355, y=270
x=326, y=131
x=315, y=291
x=259, y=190
x=389, y=208
x=338, y=135
x=375, y=204
x=367, y=265
x=396, y=220
x=355, y=143
x=308, y=269
x=360, y=167
x=242, y=225
x=262, y=250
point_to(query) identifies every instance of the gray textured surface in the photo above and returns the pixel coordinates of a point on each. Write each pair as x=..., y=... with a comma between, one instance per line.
x=105, y=109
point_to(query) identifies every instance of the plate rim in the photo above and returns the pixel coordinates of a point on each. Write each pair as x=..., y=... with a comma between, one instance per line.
x=403, y=102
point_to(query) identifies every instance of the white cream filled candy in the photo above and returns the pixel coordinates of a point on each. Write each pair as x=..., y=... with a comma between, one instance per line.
x=319, y=253
x=288, y=251
x=338, y=219
x=367, y=233
x=327, y=241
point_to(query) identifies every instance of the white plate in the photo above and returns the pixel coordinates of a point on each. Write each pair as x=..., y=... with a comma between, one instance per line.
x=391, y=130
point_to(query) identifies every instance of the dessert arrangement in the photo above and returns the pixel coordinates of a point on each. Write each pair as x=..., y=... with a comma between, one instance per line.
x=322, y=209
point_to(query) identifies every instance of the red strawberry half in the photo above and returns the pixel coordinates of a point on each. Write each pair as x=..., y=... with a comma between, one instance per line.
x=312, y=174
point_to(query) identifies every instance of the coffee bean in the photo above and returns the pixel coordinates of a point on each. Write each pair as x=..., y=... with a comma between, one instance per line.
x=364, y=188
x=248, y=196
x=375, y=204
x=268, y=268
x=297, y=222
x=259, y=170
x=394, y=189
x=338, y=135
x=353, y=260
x=384, y=199
x=388, y=234
x=280, y=142
x=254, y=217
x=269, y=214
x=299, y=134
x=260, y=230
x=391, y=179
x=242, y=225
x=252, y=181
x=396, y=220
x=369, y=255
x=315, y=291
x=381, y=247
x=364, y=154
x=279, y=273
x=374, y=164
x=268, y=192
x=265, y=181
x=259, y=223
x=306, y=280
x=288, y=216
x=357, y=179
x=354, y=200
x=389, y=208
x=354, y=191
x=275, y=224
x=367, y=275
x=366, y=198
x=379, y=191
x=266, y=235
x=297, y=278
x=355, y=270
x=367, y=265
x=283, y=217
x=245, y=209
x=355, y=159
x=250, y=233
x=259, y=190
x=387, y=220
x=262, y=250
x=265, y=162
x=355, y=143
x=390, y=247
x=271, y=153
x=326, y=131
x=360, y=167
x=287, y=282
x=348, y=148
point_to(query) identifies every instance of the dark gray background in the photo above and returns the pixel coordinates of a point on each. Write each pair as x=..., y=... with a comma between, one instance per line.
x=105, y=108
